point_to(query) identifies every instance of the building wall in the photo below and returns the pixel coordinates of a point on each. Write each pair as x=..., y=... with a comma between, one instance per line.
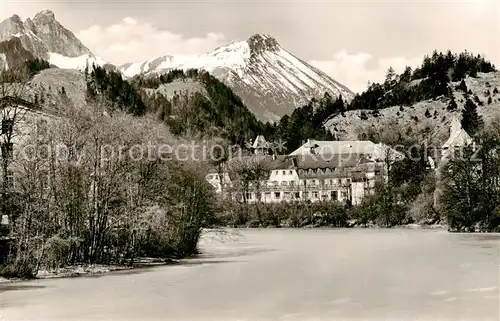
x=286, y=185
x=358, y=192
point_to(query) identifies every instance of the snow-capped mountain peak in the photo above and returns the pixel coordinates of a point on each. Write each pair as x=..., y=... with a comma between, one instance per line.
x=46, y=38
x=270, y=80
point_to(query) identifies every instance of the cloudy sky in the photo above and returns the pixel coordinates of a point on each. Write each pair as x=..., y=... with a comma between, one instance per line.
x=353, y=41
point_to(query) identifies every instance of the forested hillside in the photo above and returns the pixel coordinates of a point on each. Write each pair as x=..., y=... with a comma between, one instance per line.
x=423, y=101
x=219, y=112
x=431, y=80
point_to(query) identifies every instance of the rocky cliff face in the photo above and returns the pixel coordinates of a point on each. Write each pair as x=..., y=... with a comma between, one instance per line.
x=14, y=27
x=56, y=38
x=44, y=37
x=13, y=54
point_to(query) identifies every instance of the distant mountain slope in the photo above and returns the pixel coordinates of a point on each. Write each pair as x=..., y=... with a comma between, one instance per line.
x=271, y=81
x=53, y=80
x=47, y=39
x=429, y=119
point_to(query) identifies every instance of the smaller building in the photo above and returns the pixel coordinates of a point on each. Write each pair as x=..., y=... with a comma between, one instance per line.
x=458, y=139
x=260, y=146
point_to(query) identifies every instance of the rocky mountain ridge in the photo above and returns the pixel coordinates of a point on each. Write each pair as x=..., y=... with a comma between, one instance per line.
x=271, y=81
x=44, y=37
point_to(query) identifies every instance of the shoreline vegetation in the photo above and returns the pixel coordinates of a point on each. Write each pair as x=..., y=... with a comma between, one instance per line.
x=89, y=270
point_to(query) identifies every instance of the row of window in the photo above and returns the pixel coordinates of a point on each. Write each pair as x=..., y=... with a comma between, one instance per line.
x=296, y=195
x=313, y=182
x=284, y=172
x=293, y=183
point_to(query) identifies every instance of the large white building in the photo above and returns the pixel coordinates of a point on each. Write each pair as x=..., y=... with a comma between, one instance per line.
x=345, y=173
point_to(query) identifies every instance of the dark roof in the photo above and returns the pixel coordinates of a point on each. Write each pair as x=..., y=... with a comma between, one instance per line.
x=302, y=162
x=7, y=101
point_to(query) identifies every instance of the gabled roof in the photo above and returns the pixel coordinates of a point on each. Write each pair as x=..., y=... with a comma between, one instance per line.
x=458, y=136
x=260, y=142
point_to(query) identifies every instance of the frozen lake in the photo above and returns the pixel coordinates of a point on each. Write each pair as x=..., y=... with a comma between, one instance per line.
x=286, y=274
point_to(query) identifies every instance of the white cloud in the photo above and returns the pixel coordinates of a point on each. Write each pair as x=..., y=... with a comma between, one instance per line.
x=357, y=69
x=133, y=41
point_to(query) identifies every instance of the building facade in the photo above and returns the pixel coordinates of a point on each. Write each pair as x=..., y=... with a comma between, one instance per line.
x=312, y=178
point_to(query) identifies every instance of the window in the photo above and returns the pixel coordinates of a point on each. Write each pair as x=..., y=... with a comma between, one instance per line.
x=249, y=196
x=290, y=173
x=10, y=178
x=315, y=194
x=334, y=195
x=275, y=183
x=292, y=183
x=313, y=182
x=339, y=181
x=276, y=173
x=287, y=195
x=277, y=194
x=297, y=195
x=284, y=183
x=284, y=173
x=344, y=195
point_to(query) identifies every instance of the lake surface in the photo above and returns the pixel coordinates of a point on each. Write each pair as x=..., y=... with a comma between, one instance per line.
x=286, y=274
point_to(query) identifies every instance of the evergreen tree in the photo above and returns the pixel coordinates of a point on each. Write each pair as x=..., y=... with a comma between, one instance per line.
x=462, y=86
x=471, y=121
x=452, y=105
